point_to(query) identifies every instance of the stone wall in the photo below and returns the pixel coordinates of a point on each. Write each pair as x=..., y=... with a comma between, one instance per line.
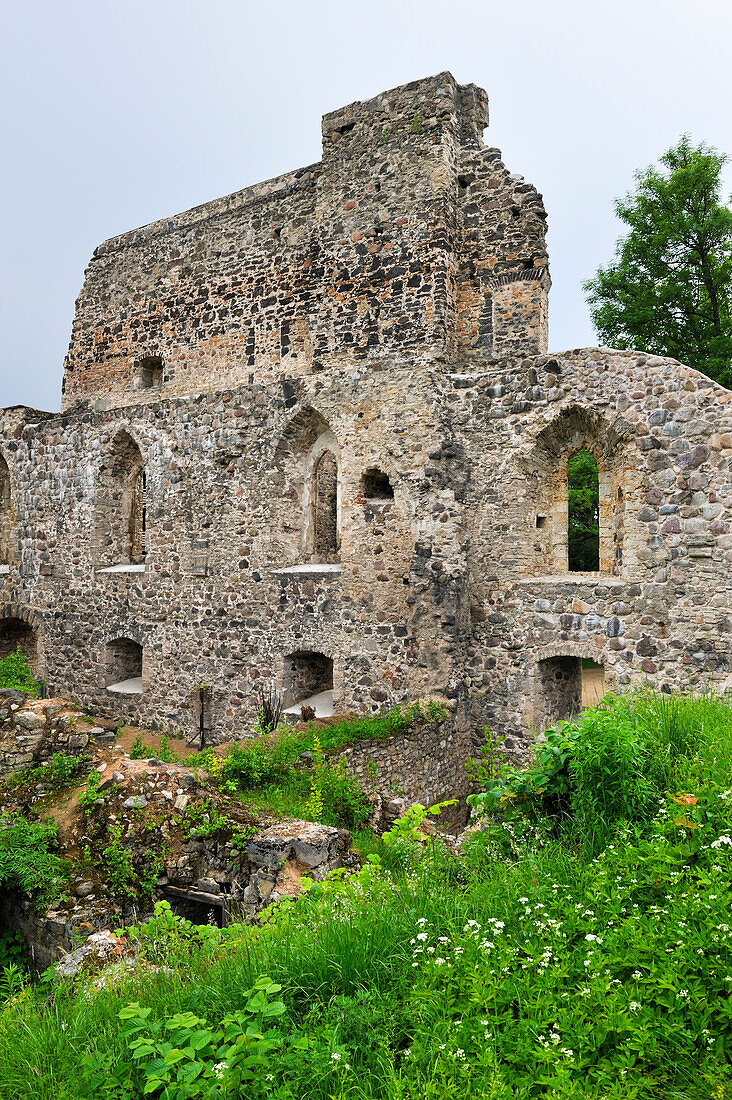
x=31, y=732
x=424, y=763
x=386, y=306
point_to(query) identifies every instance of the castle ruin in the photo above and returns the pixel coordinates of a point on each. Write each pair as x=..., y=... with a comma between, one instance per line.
x=311, y=438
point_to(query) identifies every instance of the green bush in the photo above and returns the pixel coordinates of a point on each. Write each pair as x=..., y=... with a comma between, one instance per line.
x=27, y=863
x=344, y=803
x=15, y=673
x=612, y=764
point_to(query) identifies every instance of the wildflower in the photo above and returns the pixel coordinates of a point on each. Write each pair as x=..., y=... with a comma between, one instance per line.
x=459, y=1053
x=720, y=841
x=335, y=1056
x=422, y=936
x=439, y=961
x=219, y=1069
x=633, y=1006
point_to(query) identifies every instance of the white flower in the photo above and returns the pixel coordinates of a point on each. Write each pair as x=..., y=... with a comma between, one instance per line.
x=522, y=901
x=592, y=939
x=633, y=1006
x=219, y=1069
x=720, y=841
x=422, y=936
x=459, y=1053
x=439, y=961
x=335, y=1056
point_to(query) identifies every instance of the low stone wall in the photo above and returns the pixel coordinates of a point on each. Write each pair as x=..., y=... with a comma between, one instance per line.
x=31, y=731
x=423, y=763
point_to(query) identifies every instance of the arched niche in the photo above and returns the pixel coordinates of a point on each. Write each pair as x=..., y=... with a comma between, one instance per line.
x=577, y=430
x=120, y=513
x=307, y=498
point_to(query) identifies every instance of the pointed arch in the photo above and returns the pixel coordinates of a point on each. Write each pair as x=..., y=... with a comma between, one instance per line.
x=120, y=505
x=579, y=449
x=307, y=467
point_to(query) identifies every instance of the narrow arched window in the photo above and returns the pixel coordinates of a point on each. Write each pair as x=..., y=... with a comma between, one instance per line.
x=325, y=504
x=6, y=514
x=137, y=518
x=121, y=521
x=583, y=512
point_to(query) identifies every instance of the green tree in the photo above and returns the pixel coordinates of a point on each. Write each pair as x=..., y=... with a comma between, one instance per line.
x=669, y=288
x=583, y=529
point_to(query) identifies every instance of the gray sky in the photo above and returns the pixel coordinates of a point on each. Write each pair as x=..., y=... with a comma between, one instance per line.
x=118, y=113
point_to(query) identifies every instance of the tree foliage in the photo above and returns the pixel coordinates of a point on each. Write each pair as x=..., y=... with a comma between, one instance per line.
x=669, y=288
x=583, y=531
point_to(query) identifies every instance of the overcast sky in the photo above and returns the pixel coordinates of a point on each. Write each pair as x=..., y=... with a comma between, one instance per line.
x=118, y=113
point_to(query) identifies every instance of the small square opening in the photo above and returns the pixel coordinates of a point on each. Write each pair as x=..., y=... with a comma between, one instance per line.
x=150, y=372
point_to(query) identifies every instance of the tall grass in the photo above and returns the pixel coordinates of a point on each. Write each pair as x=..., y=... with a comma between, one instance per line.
x=523, y=969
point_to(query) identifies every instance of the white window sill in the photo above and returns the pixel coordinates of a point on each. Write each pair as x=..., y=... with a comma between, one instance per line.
x=309, y=569
x=122, y=569
x=133, y=686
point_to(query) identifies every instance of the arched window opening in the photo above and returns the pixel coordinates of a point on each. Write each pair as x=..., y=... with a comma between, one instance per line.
x=6, y=514
x=376, y=486
x=150, y=372
x=138, y=519
x=308, y=684
x=17, y=634
x=583, y=512
x=325, y=506
x=121, y=507
x=124, y=667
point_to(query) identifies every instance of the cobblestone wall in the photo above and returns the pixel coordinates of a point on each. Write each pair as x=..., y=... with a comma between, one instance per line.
x=387, y=306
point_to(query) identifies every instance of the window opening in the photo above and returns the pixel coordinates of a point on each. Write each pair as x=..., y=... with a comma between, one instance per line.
x=308, y=683
x=121, y=506
x=325, y=499
x=17, y=634
x=6, y=513
x=583, y=512
x=375, y=485
x=150, y=372
x=124, y=666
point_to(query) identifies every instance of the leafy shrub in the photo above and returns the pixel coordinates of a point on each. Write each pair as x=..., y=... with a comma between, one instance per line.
x=16, y=674
x=89, y=797
x=13, y=951
x=26, y=862
x=182, y=1056
x=57, y=772
x=139, y=750
x=608, y=766
x=344, y=802
x=123, y=877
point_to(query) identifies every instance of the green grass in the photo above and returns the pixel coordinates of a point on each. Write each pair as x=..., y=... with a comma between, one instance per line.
x=16, y=674
x=543, y=963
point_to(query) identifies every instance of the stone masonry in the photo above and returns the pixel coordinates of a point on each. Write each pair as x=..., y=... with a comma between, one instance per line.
x=311, y=435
